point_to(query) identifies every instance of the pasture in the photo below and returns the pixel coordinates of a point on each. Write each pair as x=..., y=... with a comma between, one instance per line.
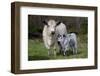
x=36, y=47
x=37, y=50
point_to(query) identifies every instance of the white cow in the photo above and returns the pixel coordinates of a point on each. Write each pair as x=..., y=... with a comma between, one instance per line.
x=49, y=37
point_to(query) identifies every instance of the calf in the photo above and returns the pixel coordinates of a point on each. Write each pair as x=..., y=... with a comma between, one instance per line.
x=68, y=42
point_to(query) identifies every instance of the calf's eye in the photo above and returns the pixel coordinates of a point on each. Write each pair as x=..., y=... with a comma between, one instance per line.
x=64, y=35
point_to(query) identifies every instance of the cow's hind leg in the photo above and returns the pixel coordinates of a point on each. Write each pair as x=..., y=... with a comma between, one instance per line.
x=75, y=51
x=48, y=52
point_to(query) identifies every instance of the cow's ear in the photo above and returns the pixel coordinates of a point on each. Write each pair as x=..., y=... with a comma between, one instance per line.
x=44, y=22
x=58, y=23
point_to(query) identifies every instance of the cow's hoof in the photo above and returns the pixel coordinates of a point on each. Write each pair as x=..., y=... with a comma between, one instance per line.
x=64, y=54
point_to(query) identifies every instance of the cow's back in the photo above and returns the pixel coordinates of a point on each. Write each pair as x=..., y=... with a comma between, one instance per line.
x=61, y=29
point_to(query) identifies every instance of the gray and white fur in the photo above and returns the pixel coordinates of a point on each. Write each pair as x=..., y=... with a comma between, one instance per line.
x=67, y=42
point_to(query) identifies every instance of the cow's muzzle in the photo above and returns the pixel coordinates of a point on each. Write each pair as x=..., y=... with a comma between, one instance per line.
x=53, y=33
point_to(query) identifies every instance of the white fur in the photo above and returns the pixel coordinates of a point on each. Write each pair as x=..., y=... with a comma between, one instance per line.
x=61, y=29
x=48, y=38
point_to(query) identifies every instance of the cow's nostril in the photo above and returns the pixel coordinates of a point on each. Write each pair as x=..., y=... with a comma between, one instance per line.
x=53, y=33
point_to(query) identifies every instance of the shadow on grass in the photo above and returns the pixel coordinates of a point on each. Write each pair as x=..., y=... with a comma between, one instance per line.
x=38, y=58
x=67, y=53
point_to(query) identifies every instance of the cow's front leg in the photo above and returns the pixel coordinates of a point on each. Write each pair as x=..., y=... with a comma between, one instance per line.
x=64, y=51
x=49, y=53
x=54, y=49
x=64, y=54
x=55, y=53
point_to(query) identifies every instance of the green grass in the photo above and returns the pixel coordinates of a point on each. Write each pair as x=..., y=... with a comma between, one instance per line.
x=37, y=50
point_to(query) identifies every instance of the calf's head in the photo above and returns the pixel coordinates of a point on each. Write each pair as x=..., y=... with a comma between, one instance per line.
x=61, y=39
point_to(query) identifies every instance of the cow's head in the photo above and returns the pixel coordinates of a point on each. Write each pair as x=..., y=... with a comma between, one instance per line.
x=51, y=25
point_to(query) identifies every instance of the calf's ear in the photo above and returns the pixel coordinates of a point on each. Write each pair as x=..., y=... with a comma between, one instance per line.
x=58, y=23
